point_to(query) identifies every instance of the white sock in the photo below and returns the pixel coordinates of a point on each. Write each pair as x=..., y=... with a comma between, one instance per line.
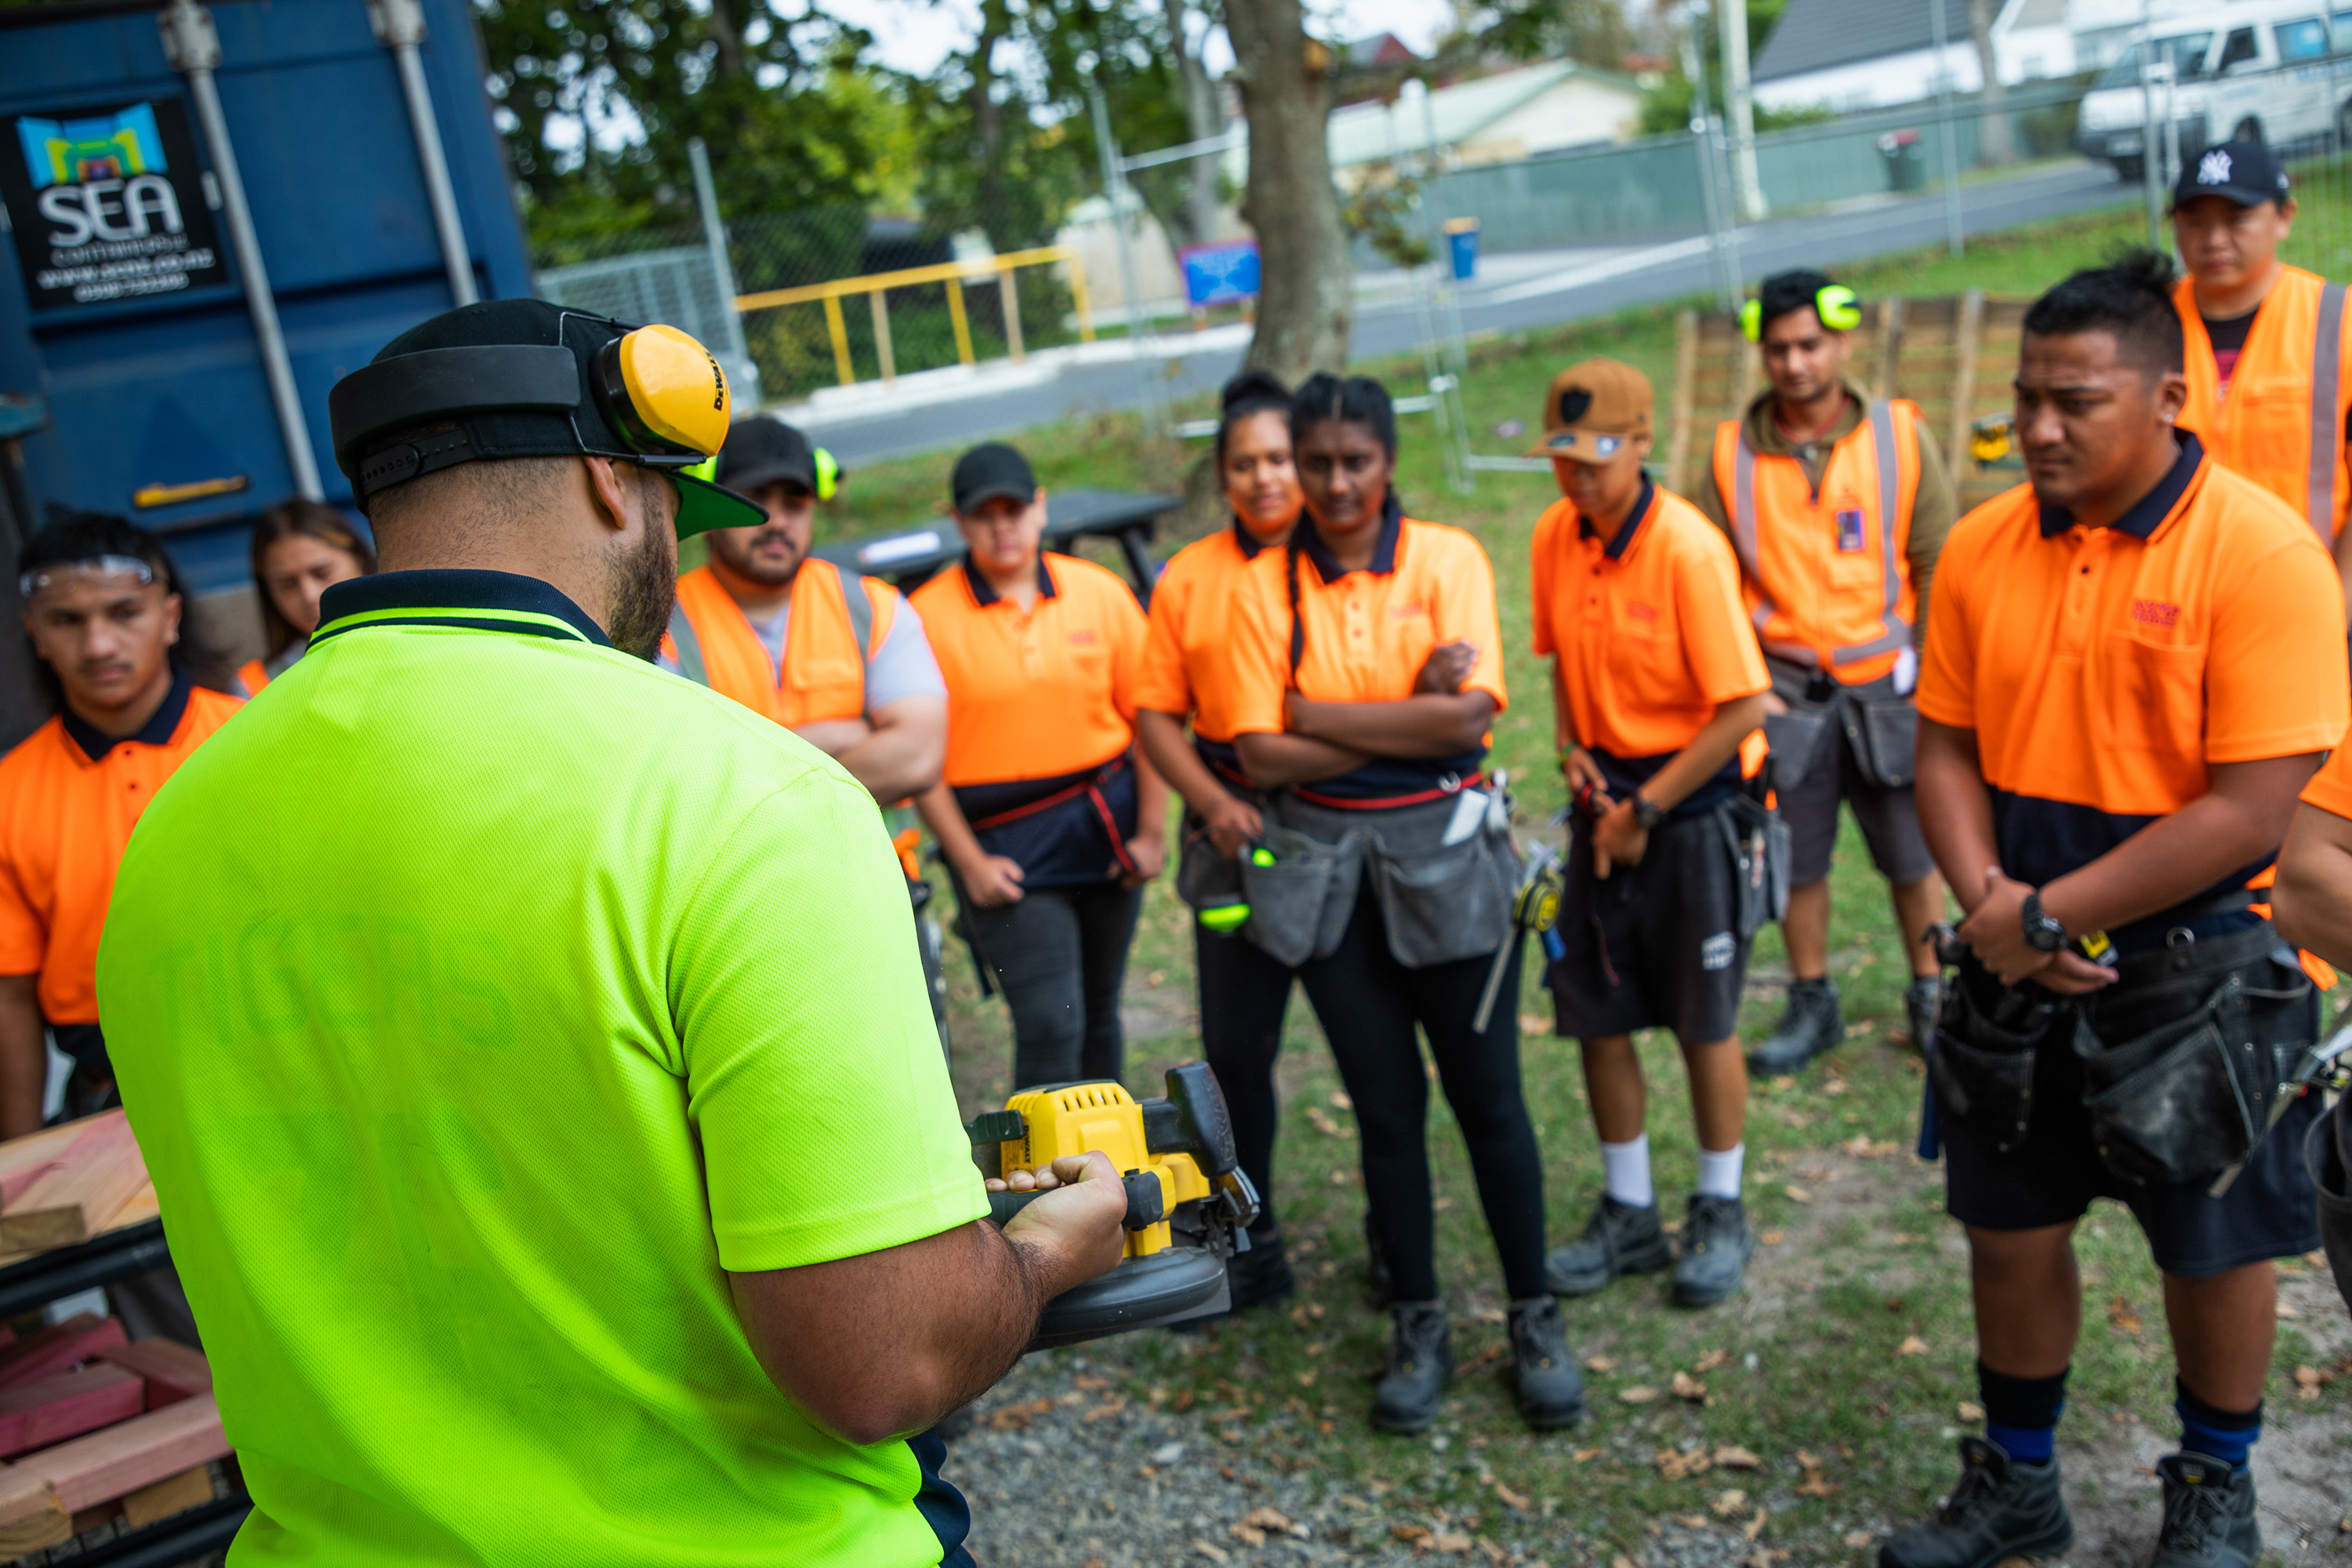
x=1718, y=1174
x=1627, y=1167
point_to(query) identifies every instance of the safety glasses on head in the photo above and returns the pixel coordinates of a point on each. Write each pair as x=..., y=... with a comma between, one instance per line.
x=60, y=573
x=1836, y=305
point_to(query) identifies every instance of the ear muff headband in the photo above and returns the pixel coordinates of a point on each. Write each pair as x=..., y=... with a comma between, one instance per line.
x=449, y=383
x=828, y=475
x=1836, y=305
x=663, y=393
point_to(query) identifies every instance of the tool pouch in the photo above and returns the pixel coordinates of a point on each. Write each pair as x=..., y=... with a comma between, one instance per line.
x=2328, y=1156
x=1299, y=904
x=1987, y=1036
x=1882, y=732
x=1204, y=878
x=1794, y=737
x=1759, y=842
x=1443, y=902
x=2186, y=1089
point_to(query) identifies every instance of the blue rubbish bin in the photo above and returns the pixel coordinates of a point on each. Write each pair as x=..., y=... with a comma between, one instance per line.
x=1462, y=245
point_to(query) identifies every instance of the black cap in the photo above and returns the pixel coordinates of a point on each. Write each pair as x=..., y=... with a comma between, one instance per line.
x=762, y=452
x=2246, y=172
x=539, y=402
x=989, y=471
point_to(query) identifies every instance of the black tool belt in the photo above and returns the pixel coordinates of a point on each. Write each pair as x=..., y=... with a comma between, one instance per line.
x=1880, y=725
x=2179, y=1061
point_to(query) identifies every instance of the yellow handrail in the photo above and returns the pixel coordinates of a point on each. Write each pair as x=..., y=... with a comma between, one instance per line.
x=909, y=276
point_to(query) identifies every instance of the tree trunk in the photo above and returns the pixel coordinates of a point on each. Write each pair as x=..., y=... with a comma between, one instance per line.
x=1203, y=116
x=1993, y=144
x=1307, y=279
x=988, y=119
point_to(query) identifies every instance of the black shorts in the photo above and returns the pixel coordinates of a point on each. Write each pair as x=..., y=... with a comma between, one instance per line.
x=1888, y=819
x=2050, y=1176
x=1657, y=946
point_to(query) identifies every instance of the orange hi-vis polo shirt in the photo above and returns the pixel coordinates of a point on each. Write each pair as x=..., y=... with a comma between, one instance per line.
x=1041, y=694
x=1650, y=632
x=1827, y=571
x=1363, y=636
x=1188, y=660
x=824, y=670
x=2281, y=423
x=2330, y=788
x=70, y=796
x=2105, y=670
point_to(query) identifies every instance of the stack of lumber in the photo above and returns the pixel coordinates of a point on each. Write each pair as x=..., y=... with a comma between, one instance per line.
x=1954, y=357
x=91, y=1424
x=69, y=1182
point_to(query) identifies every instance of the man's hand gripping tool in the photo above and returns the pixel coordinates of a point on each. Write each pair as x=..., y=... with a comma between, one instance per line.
x=1189, y=1204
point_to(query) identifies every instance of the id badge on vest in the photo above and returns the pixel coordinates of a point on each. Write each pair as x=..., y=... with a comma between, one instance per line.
x=1849, y=538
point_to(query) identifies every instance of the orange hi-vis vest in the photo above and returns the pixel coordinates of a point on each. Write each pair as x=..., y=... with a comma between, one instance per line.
x=1826, y=574
x=2281, y=423
x=826, y=644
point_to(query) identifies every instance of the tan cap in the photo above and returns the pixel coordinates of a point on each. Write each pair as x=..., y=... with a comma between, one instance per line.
x=1593, y=410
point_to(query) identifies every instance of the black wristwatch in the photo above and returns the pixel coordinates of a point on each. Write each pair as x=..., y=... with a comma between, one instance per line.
x=2043, y=933
x=1648, y=812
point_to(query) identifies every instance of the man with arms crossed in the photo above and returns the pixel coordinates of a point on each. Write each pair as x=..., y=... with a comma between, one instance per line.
x=2108, y=753
x=530, y=1049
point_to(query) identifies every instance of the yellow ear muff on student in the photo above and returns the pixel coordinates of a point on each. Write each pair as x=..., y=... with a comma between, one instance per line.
x=663, y=392
x=1836, y=305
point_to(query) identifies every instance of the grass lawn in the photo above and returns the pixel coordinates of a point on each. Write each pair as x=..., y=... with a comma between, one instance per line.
x=1847, y=1363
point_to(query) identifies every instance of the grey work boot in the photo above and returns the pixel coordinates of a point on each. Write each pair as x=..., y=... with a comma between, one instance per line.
x=1550, y=1389
x=1811, y=1026
x=1420, y=1360
x=1716, y=1246
x=2209, y=1515
x=1922, y=1000
x=1618, y=1239
x=2004, y=1508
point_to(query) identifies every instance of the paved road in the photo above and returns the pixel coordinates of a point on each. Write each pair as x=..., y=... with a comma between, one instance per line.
x=1587, y=283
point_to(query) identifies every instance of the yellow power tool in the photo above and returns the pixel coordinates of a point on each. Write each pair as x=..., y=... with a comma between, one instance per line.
x=1189, y=1204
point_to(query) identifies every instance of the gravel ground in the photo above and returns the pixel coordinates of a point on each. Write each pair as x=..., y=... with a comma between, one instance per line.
x=1063, y=1472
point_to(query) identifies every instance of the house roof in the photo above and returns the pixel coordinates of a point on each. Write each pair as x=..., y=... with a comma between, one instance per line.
x=1814, y=34
x=1363, y=133
x=1378, y=49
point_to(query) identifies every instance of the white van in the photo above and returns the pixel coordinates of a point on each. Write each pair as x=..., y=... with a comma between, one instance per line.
x=2278, y=71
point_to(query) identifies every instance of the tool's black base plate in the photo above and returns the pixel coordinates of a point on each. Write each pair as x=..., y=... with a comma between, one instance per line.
x=1142, y=1294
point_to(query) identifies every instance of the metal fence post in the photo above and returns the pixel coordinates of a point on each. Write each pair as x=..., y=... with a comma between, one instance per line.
x=1008, y=295
x=882, y=337
x=1954, y=232
x=1114, y=187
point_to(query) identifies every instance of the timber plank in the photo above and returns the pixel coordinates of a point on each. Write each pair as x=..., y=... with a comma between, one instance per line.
x=171, y=1370
x=127, y=1455
x=173, y=1494
x=31, y=1516
x=36, y=1414
x=74, y=1200
x=58, y=1348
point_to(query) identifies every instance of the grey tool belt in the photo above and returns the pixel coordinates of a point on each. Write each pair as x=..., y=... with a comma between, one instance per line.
x=1880, y=725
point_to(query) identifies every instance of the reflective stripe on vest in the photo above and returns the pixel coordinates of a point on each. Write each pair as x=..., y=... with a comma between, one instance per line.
x=1897, y=633
x=2327, y=375
x=778, y=693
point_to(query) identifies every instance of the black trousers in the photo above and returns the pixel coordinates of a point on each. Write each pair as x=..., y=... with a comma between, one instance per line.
x=1058, y=956
x=1369, y=1004
x=1244, y=993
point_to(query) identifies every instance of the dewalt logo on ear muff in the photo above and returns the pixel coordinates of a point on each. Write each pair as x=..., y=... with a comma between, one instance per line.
x=1836, y=305
x=663, y=392
x=828, y=475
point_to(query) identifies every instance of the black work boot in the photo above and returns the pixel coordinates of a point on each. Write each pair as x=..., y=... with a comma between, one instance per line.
x=1923, y=999
x=1716, y=1246
x=1618, y=1239
x=2209, y=1515
x=1262, y=1275
x=1421, y=1360
x=1811, y=1026
x=1551, y=1391
x=2004, y=1508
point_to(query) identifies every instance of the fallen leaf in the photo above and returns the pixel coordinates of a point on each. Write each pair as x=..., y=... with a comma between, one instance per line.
x=1214, y=1553
x=1480, y=1362
x=2287, y=1310
x=1183, y=1400
x=1728, y=1502
x=1273, y=1521
x=1340, y=1101
x=1732, y=1458
x=1859, y=1145
x=1534, y=1024
x=1833, y=1086
x=1797, y=1194
x=1971, y=1411
x=1755, y=1526
x=1494, y=1553
x=1516, y=1501
x=1236, y=1414
x=1447, y=1543
x=1675, y=1465
x=1817, y=1172
x=1912, y=1345
x=1620, y=1561
x=1103, y=1411
x=2120, y=1313
x=1906, y=1237
x=1599, y=1363
x=1340, y=1178
x=1584, y=1454
x=1772, y=1237
x=1305, y=1380
x=1859, y=1538
x=1249, y=1535
x=1691, y=1520
x=1712, y=1359
x=1408, y=1532
x=2308, y=1381
x=1640, y=1394
x=1685, y=1386
x=1321, y=1119
x=1814, y=1486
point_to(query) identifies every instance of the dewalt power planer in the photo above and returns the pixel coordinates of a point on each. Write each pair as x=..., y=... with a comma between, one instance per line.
x=1189, y=1204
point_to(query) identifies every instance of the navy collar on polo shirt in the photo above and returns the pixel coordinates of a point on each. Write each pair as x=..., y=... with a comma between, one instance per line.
x=1644, y=504
x=2150, y=508
x=983, y=595
x=441, y=597
x=96, y=743
x=1250, y=542
x=1384, y=549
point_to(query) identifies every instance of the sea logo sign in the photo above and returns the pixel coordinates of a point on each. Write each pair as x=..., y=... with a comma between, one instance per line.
x=109, y=206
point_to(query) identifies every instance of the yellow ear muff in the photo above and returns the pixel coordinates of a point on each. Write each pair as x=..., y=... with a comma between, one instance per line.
x=828, y=475
x=665, y=390
x=1839, y=309
x=1751, y=321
